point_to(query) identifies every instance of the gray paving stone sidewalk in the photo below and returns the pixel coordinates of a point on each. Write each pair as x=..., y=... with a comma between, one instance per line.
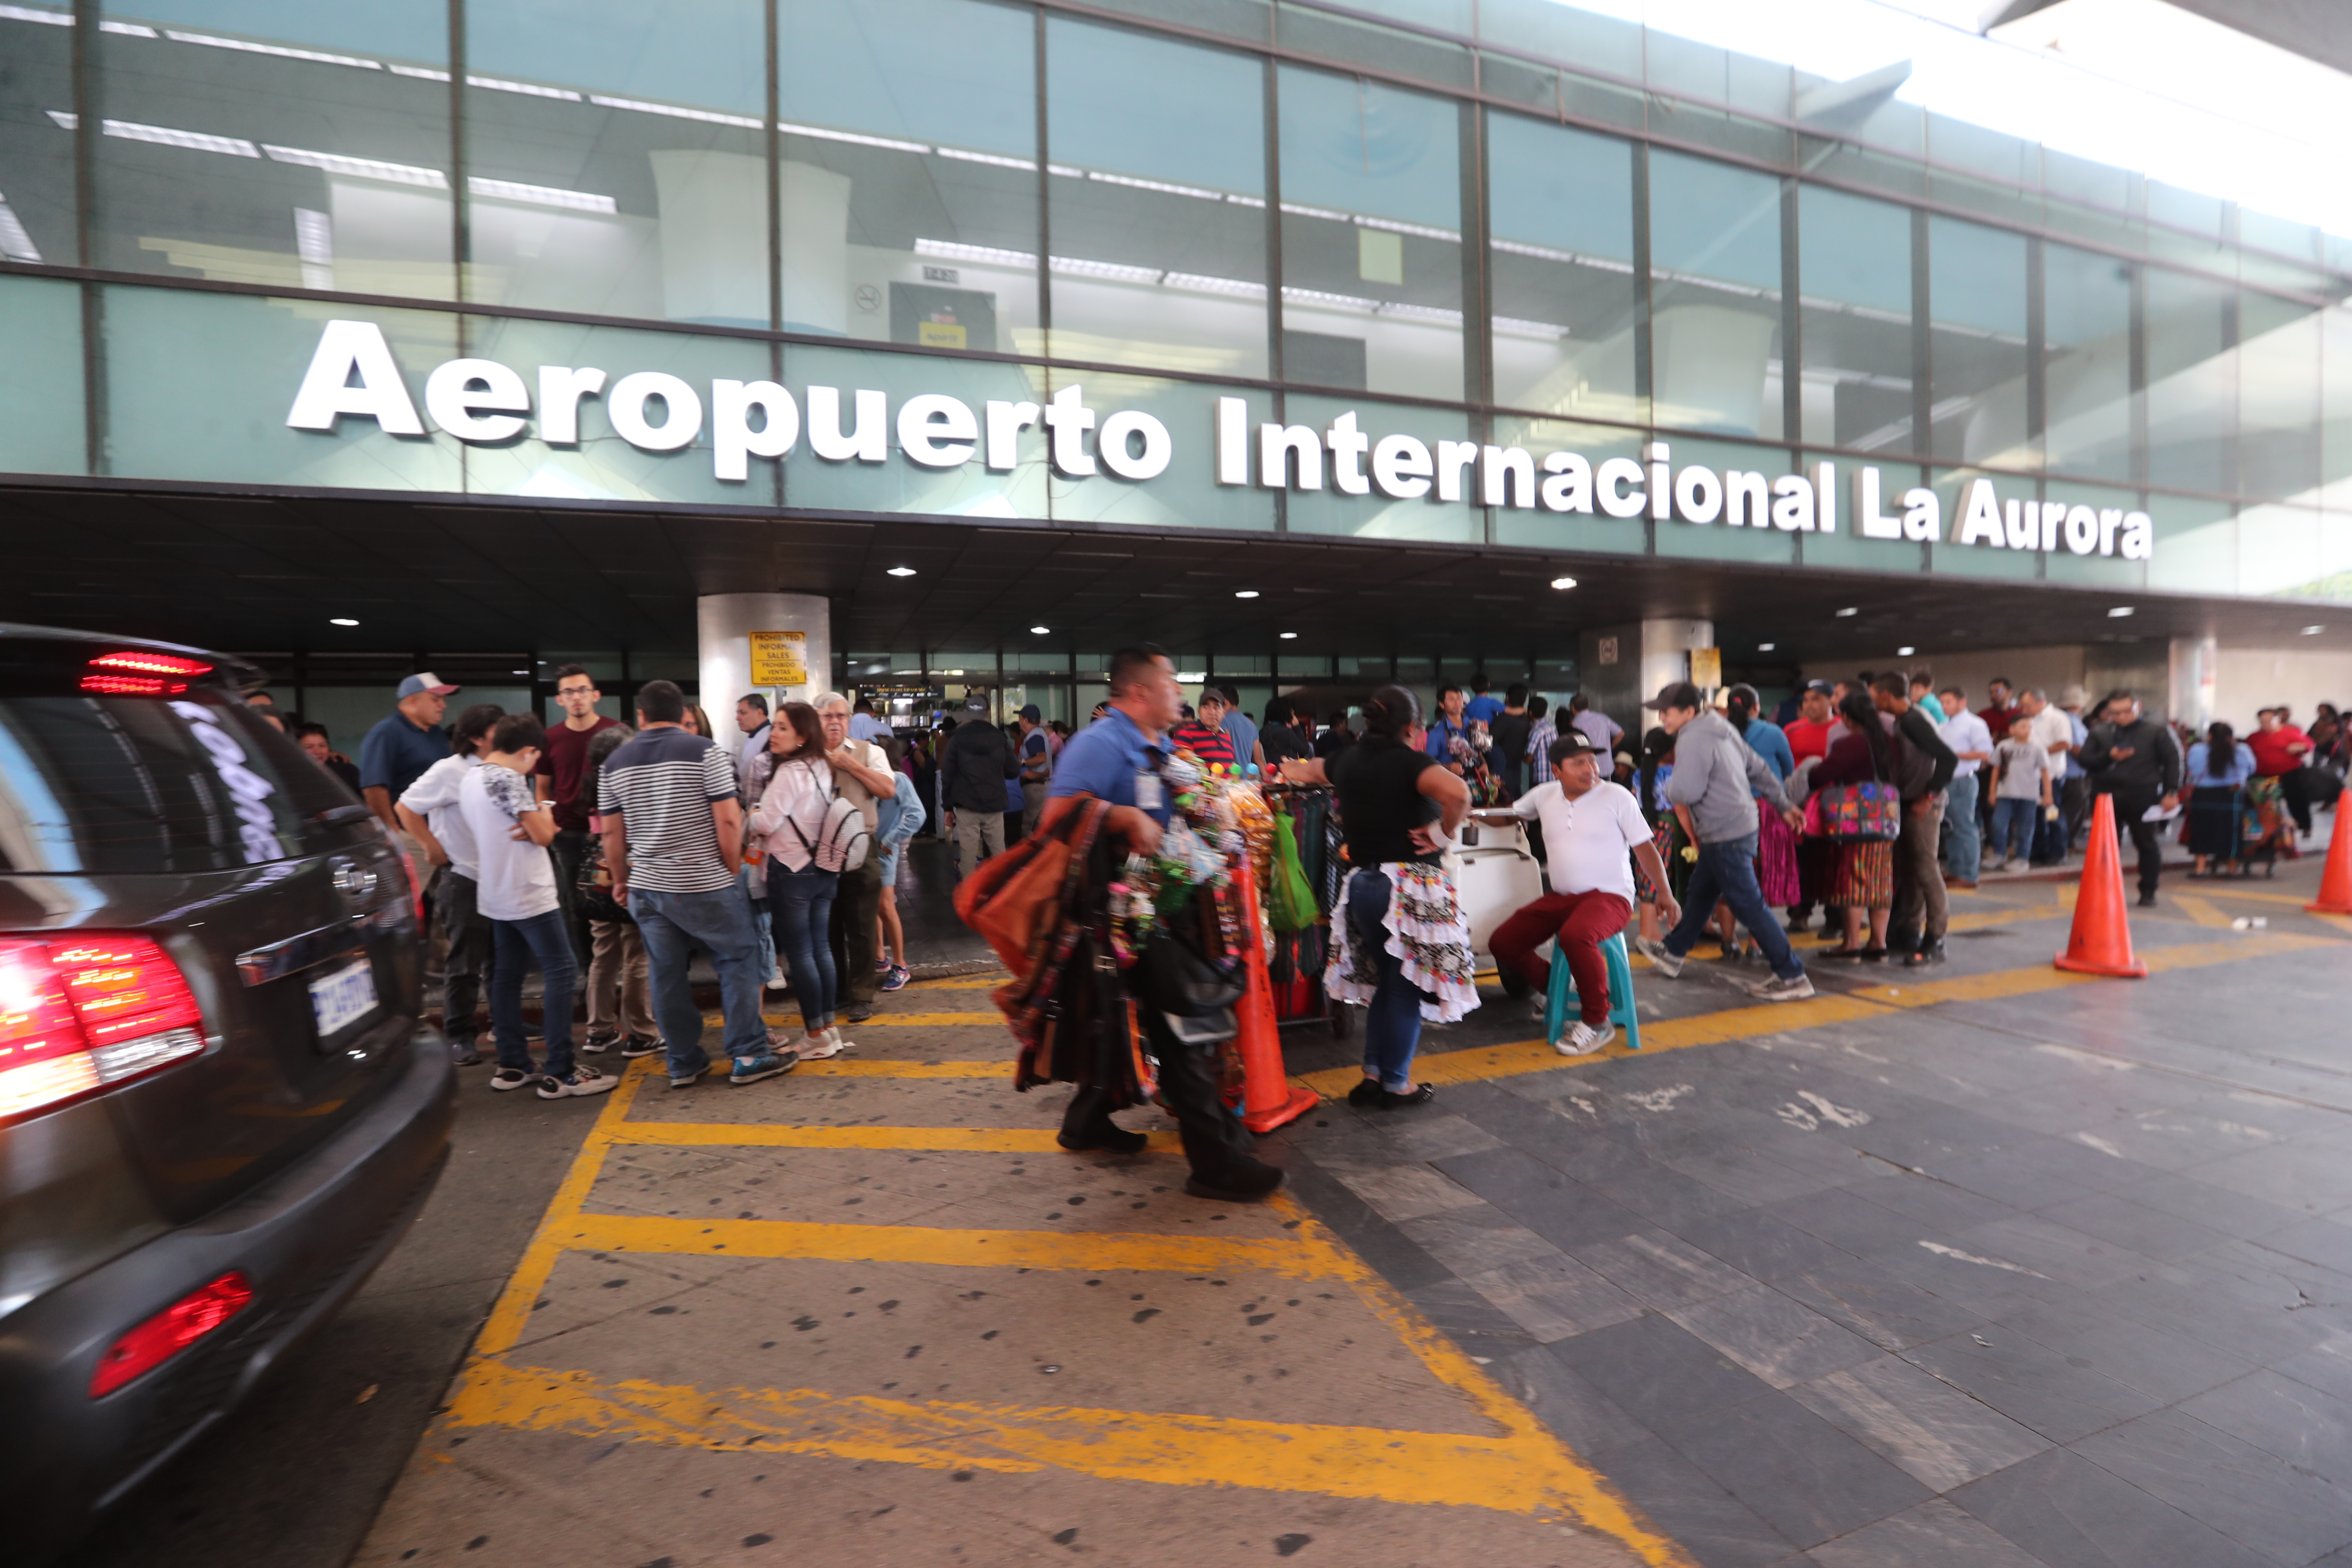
x=2059, y=1277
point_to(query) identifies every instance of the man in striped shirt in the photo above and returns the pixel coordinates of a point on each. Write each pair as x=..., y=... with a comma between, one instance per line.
x=673, y=840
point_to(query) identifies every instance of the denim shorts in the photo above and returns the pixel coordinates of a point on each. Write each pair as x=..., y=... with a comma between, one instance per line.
x=890, y=865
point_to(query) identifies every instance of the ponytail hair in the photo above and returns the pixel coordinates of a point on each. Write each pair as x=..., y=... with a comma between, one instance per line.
x=1389, y=712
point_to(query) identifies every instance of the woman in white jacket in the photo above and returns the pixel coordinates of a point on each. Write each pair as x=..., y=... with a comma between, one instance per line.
x=787, y=823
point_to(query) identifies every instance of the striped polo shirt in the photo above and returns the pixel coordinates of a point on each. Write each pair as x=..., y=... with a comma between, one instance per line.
x=662, y=783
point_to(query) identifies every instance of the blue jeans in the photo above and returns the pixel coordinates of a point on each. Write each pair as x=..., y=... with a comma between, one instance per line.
x=1392, y=1023
x=1964, y=846
x=2012, y=826
x=755, y=888
x=672, y=925
x=545, y=939
x=800, y=904
x=1727, y=872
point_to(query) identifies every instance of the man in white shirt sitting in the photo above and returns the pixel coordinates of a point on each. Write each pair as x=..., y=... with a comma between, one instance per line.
x=1588, y=824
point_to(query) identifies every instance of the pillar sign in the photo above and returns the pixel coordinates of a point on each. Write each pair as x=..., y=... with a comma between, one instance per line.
x=1608, y=650
x=780, y=658
x=1706, y=667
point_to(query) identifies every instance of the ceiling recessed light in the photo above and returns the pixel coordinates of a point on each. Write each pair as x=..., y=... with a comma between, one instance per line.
x=1765, y=647
x=519, y=672
x=900, y=572
x=1039, y=631
x=951, y=672
x=2312, y=631
x=1245, y=592
x=340, y=621
x=2119, y=612
x=1851, y=610
x=1905, y=652
x=1293, y=636
x=1563, y=583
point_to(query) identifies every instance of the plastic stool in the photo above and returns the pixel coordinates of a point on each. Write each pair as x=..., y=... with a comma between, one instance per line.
x=1556, y=1006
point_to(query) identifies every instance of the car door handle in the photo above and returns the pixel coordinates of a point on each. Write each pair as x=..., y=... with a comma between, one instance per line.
x=262, y=965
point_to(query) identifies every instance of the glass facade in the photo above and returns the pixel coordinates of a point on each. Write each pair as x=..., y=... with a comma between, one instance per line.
x=1462, y=231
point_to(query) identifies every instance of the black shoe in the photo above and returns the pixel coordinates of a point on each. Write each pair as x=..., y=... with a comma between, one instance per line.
x=1367, y=1091
x=1845, y=955
x=637, y=1045
x=1874, y=955
x=1421, y=1094
x=2147, y=900
x=1110, y=1139
x=464, y=1054
x=858, y=1013
x=1248, y=1187
x=1924, y=955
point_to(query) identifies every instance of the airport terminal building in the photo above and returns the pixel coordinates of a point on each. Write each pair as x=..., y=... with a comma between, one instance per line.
x=1322, y=343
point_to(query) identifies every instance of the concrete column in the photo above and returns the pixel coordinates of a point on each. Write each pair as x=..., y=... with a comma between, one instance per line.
x=2196, y=672
x=724, y=623
x=1648, y=656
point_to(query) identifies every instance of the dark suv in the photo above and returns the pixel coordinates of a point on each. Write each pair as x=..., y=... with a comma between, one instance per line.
x=219, y=1107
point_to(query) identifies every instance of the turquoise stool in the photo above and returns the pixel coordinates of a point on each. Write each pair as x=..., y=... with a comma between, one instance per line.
x=1558, y=1006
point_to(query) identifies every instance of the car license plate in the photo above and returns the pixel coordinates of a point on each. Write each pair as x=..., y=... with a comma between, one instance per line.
x=343, y=998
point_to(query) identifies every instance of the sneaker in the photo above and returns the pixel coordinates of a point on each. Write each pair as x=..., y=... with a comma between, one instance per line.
x=636, y=1045
x=1584, y=1038
x=596, y=1044
x=823, y=1045
x=1244, y=1188
x=686, y=1080
x=464, y=1054
x=506, y=1078
x=1665, y=963
x=1795, y=988
x=897, y=979
x=776, y=981
x=882, y=965
x=768, y=1064
x=1925, y=954
x=581, y=1082
x=1109, y=1140
x=857, y=1012
x=2147, y=900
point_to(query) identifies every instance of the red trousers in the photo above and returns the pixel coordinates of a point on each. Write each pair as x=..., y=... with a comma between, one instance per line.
x=1582, y=922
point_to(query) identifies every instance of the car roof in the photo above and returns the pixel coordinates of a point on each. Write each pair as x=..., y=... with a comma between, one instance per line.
x=230, y=670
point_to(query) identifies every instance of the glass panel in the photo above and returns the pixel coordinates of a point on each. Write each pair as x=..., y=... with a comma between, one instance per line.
x=1853, y=269
x=36, y=196
x=195, y=383
x=1949, y=557
x=1371, y=236
x=2196, y=545
x=2065, y=563
x=1589, y=529
x=602, y=465
x=1158, y=211
x=969, y=488
x=616, y=164
x=1185, y=494
x=909, y=202
x=1252, y=20
x=1846, y=545
x=1606, y=46
x=2086, y=323
x=289, y=145
x=1714, y=269
x=1385, y=50
x=41, y=395
x=1976, y=319
x=2278, y=551
x=1716, y=540
x=1376, y=515
x=2192, y=382
x=2278, y=397
x=1565, y=294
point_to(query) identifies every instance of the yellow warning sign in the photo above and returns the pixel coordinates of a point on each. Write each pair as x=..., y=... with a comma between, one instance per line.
x=1706, y=667
x=780, y=658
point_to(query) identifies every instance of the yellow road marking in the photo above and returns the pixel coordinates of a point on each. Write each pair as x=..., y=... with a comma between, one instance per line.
x=2224, y=891
x=2067, y=893
x=961, y=983
x=955, y=1248
x=2201, y=911
x=951, y=1140
x=1516, y=1472
x=850, y=1066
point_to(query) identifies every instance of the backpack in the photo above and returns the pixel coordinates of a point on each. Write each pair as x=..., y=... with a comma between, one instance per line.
x=842, y=842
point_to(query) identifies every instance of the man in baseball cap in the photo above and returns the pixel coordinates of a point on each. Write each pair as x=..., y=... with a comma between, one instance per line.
x=404, y=744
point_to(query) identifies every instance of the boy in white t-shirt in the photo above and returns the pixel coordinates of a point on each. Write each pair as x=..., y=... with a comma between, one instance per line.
x=511, y=828
x=1588, y=824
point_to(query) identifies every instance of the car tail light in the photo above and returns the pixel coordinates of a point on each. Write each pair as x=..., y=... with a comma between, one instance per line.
x=141, y=674
x=87, y=1012
x=169, y=1331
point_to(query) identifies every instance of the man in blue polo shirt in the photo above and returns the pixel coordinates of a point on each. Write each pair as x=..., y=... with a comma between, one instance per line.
x=1117, y=759
x=403, y=743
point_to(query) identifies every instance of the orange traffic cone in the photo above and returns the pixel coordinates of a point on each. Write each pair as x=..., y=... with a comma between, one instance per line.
x=2100, y=940
x=2335, y=882
x=1268, y=1098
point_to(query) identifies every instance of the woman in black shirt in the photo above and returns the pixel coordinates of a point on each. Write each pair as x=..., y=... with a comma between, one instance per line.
x=1402, y=944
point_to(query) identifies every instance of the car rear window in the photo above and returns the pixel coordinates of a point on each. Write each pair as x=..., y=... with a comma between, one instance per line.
x=145, y=784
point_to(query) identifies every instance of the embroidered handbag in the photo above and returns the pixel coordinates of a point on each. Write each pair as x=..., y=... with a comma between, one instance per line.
x=1860, y=813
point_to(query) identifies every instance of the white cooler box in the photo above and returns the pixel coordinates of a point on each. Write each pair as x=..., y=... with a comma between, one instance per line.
x=1494, y=876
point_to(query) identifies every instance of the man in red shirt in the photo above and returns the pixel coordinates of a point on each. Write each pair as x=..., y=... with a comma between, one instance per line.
x=2281, y=750
x=557, y=778
x=1809, y=732
x=2000, y=708
x=1204, y=736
